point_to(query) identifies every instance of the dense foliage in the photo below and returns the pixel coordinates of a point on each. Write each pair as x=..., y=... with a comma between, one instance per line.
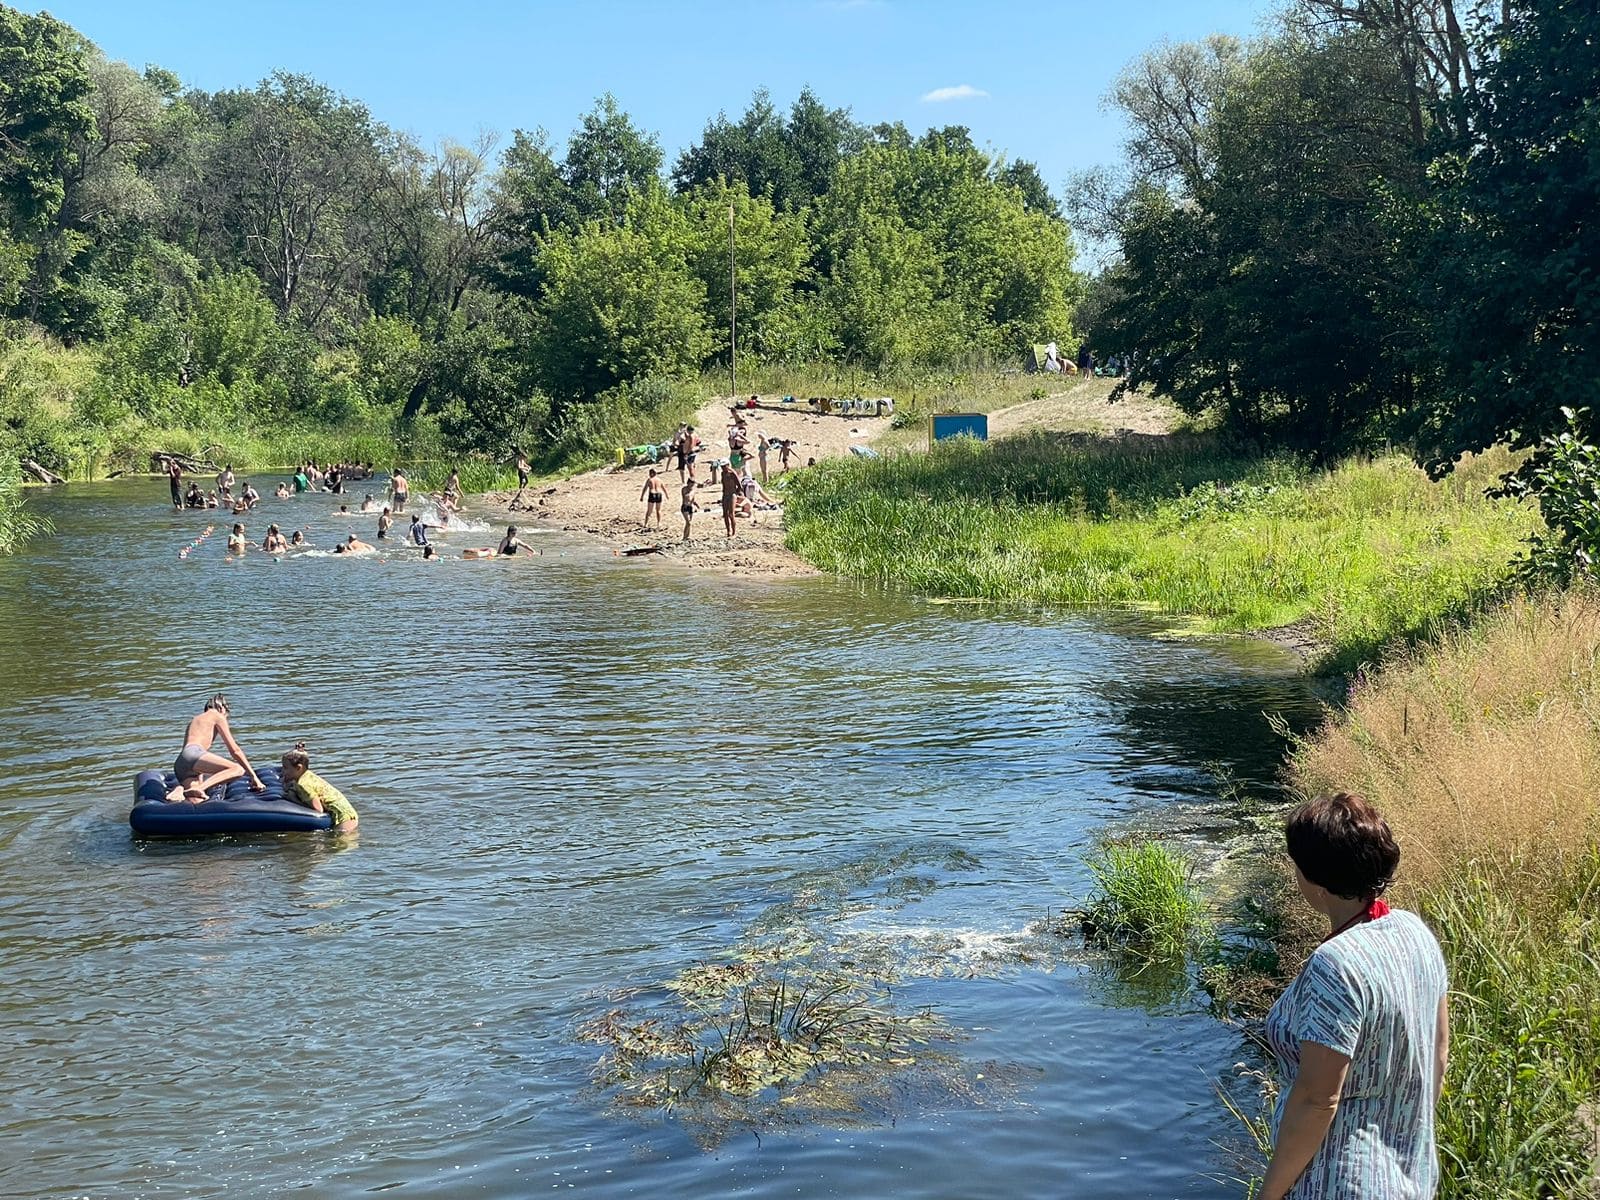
x=1374, y=225
x=179, y=262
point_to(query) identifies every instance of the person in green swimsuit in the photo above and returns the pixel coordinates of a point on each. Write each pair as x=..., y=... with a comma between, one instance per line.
x=304, y=786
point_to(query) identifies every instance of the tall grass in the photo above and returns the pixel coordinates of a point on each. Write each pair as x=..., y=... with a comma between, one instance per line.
x=1482, y=748
x=1363, y=554
x=1145, y=900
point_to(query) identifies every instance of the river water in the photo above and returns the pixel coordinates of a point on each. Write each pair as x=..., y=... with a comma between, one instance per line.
x=577, y=775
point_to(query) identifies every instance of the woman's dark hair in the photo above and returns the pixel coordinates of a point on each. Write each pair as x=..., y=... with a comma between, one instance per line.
x=1341, y=843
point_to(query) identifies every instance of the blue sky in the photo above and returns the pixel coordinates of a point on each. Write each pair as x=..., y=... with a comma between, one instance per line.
x=455, y=69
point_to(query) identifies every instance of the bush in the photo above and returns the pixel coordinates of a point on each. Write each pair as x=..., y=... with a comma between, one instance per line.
x=643, y=412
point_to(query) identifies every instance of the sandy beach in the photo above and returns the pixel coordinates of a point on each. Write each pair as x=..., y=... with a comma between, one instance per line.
x=605, y=503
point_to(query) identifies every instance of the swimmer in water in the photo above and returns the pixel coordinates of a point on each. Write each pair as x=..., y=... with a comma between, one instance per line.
x=299, y=539
x=354, y=545
x=274, y=543
x=198, y=770
x=511, y=542
x=301, y=785
x=430, y=554
x=384, y=522
x=236, y=542
x=281, y=492
x=369, y=504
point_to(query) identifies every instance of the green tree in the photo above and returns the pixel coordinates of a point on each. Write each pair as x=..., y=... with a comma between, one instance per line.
x=45, y=115
x=609, y=160
x=771, y=255
x=1515, y=307
x=1263, y=274
x=791, y=161
x=621, y=302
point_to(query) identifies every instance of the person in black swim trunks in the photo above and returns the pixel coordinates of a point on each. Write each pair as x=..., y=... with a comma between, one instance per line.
x=198, y=770
x=511, y=542
x=689, y=507
x=654, y=495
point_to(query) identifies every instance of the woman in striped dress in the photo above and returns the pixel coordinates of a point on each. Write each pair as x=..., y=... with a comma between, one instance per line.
x=1362, y=1034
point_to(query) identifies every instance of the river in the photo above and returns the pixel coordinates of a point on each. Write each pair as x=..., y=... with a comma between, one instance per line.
x=577, y=775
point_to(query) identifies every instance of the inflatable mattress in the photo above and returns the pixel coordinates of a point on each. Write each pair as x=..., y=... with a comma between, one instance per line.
x=233, y=808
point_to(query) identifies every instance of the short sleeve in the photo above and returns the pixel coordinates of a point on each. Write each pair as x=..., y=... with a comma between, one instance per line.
x=1330, y=1007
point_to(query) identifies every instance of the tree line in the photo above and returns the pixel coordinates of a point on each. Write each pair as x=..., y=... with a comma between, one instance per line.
x=277, y=254
x=1374, y=225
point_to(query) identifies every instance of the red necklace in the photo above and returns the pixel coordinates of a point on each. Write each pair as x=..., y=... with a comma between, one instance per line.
x=1370, y=913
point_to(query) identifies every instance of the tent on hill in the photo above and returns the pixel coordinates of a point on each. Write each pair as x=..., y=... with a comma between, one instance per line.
x=1048, y=358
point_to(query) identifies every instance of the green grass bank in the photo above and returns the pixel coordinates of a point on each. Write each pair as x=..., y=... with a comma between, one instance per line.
x=1360, y=556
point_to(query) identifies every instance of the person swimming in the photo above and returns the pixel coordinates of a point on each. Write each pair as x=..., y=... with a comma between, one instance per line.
x=236, y=542
x=274, y=542
x=511, y=542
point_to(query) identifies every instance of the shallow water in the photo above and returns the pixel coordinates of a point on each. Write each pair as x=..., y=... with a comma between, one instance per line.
x=576, y=774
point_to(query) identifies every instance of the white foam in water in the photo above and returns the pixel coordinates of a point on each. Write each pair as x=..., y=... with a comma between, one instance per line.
x=963, y=948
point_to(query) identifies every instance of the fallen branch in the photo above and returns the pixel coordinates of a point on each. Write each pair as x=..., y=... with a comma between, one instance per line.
x=161, y=460
x=42, y=474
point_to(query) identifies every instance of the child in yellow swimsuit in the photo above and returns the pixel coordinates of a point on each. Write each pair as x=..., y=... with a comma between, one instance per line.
x=304, y=786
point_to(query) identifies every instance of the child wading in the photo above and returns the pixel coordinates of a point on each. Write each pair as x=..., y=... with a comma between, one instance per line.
x=304, y=786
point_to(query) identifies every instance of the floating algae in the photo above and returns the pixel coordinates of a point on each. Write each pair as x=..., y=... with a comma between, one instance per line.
x=807, y=1021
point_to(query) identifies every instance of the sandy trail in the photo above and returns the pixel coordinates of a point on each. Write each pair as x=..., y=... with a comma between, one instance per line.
x=606, y=504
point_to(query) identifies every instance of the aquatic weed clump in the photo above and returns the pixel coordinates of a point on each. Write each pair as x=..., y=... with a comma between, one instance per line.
x=1145, y=901
x=777, y=1033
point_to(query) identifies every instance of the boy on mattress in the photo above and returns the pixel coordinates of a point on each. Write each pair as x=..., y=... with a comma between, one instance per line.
x=304, y=786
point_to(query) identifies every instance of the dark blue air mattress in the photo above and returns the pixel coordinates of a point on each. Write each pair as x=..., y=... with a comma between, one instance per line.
x=230, y=809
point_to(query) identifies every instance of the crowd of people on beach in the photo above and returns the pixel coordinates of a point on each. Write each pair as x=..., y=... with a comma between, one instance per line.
x=742, y=495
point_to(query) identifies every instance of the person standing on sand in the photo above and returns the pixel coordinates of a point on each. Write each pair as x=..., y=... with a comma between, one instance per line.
x=762, y=443
x=730, y=500
x=522, y=470
x=654, y=494
x=786, y=451
x=688, y=506
x=175, y=478
x=197, y=769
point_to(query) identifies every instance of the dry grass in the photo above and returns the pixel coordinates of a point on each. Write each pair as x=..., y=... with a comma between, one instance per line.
x=1482, y=748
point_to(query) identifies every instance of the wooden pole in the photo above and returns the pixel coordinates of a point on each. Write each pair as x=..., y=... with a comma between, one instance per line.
x=733, y=317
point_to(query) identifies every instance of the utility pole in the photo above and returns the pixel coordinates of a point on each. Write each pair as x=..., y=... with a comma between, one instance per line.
x=733, y=318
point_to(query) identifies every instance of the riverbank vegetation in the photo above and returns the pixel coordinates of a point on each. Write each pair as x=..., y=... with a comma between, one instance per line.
x=1360, y=556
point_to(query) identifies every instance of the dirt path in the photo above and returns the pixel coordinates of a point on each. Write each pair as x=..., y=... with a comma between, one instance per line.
x=1084, y=405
